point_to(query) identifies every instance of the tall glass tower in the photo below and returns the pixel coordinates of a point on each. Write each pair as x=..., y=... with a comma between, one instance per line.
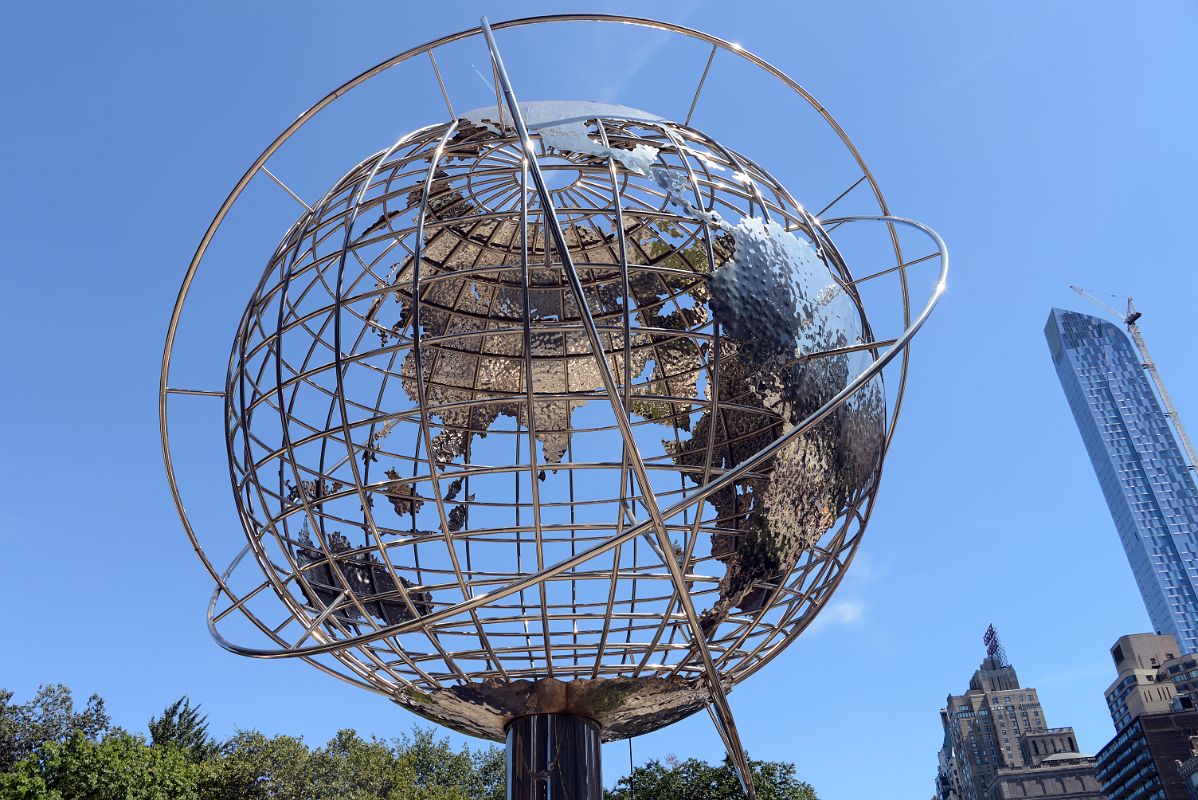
x=1139, y=465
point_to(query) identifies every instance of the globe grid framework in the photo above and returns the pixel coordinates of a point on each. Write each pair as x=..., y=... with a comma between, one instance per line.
x=465, y=489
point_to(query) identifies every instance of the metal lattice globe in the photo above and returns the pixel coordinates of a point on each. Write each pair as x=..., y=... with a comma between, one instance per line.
x=420, y=425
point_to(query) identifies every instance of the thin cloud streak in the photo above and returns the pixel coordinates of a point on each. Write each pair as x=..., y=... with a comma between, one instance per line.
x=968, y=72
x=637, y=61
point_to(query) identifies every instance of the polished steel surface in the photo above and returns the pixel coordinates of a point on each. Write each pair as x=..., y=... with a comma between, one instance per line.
x=553, y=757
x=552, y=408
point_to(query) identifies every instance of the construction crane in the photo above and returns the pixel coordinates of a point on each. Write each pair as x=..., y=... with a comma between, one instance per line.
x=1129, y=319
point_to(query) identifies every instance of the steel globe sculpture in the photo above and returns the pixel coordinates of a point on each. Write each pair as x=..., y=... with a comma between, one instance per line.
x=552, y=421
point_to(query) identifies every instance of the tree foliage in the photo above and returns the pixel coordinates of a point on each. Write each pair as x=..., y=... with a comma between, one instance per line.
x=693, y=779
x=183, y=727
x=254, y=766
x=49, y=717
x=120, y=766
x=436, y=767
x=54, y=752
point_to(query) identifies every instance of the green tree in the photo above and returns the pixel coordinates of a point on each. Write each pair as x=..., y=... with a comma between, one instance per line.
x=353, y=768
x=51, y=751
x=49, y=717
x=490, y=774
x=118, y=767
x=255, y=767
x=437, y=767
x=693, y=779
x=182, y=726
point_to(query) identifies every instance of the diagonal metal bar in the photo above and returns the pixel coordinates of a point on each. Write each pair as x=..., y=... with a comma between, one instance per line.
x=285, y=187
x=702, y=80
x=743, y=770
x=719, y=698
x=441, y=83
x=895, y=268
x=840, y=196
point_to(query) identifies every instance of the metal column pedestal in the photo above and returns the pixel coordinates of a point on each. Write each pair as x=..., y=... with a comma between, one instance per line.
x=553, y=757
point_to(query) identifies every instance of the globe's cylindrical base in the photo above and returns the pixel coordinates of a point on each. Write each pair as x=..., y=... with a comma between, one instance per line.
x=553, y=757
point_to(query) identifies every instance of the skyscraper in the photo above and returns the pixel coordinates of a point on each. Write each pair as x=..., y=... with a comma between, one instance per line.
x=997, y=744
x=1147, y=485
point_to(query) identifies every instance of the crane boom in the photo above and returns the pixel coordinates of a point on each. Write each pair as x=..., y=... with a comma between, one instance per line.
x=1093, y=299
x=1129, y=319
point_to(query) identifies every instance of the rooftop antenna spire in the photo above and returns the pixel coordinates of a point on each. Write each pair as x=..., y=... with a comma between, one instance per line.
x=1129, y=319
x=994, y=648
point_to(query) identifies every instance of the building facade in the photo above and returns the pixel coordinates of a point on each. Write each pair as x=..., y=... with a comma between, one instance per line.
x=1139, y=464
x=1064, y=775
x=1143, y=761
x=997, y=744
x=1152, y=703
x=1142, y=684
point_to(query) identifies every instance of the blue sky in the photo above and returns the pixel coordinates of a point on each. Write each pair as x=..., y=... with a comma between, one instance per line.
x=1049, y=143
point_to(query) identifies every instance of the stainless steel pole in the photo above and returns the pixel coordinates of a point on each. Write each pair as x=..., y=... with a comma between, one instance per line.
x=553, y=757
